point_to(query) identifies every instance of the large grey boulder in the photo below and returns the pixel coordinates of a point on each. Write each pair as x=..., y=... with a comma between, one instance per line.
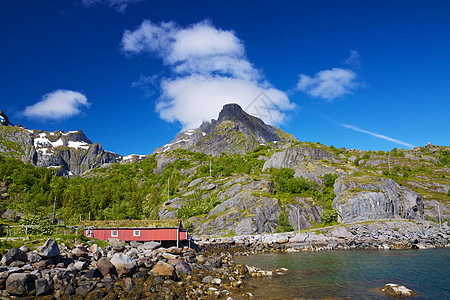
x=20, y=284
x=124, y=264
x=116, y=244
x=372, y=198
x=150, y=246
x=43, y=287
x=105, y=266
x=33, y=257
x=163, y=269
x=49, y=249
x=17, y=254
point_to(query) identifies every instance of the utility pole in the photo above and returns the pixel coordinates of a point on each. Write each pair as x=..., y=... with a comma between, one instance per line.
x=389, y=161
x=54, y=210
x=209, y=168
x=168, y=189
x=439, y=212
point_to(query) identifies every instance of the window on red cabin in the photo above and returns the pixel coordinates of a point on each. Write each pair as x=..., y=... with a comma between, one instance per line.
x=114, y=233
x=136, y=233
x=89, y=233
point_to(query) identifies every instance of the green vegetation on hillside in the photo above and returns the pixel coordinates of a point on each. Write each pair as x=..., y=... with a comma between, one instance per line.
x=119, y=190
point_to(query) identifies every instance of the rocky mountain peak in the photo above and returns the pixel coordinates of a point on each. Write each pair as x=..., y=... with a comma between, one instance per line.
x=230, y=112
x=4, y=121
x=234, y=132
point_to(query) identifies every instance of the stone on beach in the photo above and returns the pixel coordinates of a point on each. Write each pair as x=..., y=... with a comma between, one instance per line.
x=123, y=264
x=49, y=249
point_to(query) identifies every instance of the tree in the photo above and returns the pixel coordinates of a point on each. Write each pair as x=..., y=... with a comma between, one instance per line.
x=283, y=224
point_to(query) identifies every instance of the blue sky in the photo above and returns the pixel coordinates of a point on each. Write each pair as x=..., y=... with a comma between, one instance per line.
x=131, y=74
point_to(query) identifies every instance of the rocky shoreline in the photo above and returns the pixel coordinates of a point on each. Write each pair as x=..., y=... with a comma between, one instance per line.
x=206, y=271
x=387, y=234
x=136, y=271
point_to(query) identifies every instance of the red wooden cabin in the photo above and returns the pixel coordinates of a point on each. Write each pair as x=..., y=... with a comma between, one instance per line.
x=136, y=233
x=142, y=234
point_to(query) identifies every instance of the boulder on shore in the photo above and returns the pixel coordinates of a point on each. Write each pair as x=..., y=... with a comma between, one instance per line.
x=49, y=249
x=124, y=264
x=20, y=284
x=105, y=266
x=163, y=269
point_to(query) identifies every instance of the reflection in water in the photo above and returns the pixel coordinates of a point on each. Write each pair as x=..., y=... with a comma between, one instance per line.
x=352, y=274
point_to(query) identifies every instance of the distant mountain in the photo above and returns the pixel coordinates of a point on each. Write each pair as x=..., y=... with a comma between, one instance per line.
x=67, y=153
x=234, y=132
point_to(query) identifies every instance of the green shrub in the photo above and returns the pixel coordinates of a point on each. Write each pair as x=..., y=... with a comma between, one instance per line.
x=283, y=224
x=197, y=206
x=430, y=218
x=286, y=183
x=329, y=179
x=329, y=216
x=45, y=227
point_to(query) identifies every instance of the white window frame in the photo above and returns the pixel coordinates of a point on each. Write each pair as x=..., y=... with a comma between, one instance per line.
x=136, y=233
x=114, y=233
x=88, y=233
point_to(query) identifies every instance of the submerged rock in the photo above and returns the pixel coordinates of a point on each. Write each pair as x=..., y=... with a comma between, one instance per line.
x=396, y=290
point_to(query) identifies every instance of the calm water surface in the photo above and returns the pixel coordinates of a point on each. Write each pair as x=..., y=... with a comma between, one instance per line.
x=352, y=274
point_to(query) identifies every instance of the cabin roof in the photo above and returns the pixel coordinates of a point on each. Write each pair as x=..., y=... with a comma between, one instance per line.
x=132, y=228
x=143, y=224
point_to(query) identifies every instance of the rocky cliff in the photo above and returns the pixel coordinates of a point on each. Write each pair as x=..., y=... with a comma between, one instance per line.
x=234, y=132
x=373, y=198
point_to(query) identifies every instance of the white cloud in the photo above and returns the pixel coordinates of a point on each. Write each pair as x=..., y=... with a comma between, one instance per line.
x=329, y=84
x=209, y=68
x=380, y=136
x=196, y=98
x=57, y=105
x=354, y=60
x=119, y=5
x=333, y=83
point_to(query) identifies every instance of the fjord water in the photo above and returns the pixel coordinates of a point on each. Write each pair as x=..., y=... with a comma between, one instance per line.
x=351, y=274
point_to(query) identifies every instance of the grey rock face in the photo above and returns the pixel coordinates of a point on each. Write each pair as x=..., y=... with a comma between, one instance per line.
x=371, y=198
x=246, y=213
x=308, y=211
x=303, y=160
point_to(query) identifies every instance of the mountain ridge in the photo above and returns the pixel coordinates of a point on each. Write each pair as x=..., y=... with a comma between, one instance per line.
x=66, y=153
